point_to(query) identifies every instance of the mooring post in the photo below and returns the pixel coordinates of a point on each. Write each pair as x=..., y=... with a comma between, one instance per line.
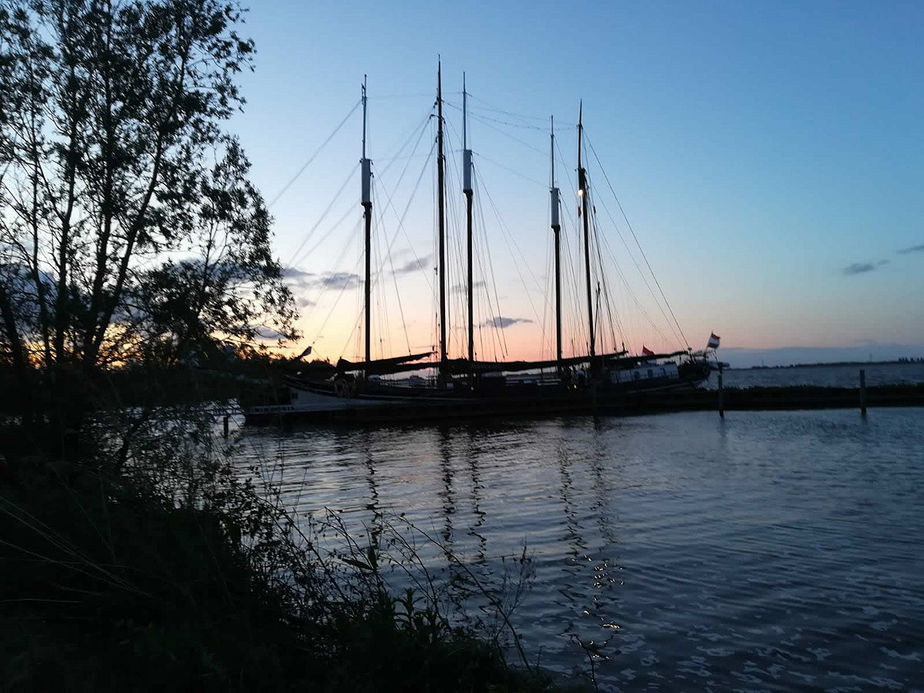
x=721, y=395
x=863, y=391
x=225, y=426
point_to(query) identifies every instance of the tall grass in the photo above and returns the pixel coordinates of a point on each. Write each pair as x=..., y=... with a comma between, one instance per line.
x=152, y=562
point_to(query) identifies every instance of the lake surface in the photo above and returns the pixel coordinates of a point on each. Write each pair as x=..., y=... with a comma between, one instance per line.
x=768, y=551
x=825, y=376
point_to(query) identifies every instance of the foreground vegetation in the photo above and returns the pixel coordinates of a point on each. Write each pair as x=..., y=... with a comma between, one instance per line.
x=169, y=574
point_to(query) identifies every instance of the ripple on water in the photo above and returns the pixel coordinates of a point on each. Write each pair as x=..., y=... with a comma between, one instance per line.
x=774, y=550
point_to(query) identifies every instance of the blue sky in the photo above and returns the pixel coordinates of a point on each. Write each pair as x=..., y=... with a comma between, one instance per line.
x=769, y=156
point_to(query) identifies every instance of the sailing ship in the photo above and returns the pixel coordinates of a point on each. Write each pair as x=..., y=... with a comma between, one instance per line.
x=466, y=386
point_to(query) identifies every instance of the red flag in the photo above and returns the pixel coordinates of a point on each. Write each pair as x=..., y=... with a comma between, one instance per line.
x=713, y=341
x=646, y=351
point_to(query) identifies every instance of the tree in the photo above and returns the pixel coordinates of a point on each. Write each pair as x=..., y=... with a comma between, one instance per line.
x=128, y=228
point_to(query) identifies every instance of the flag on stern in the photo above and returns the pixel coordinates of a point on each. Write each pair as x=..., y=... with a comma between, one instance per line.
x=646, y=351
x=713, y=341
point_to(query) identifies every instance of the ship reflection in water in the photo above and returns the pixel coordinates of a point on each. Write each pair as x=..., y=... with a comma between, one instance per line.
x=774, y=549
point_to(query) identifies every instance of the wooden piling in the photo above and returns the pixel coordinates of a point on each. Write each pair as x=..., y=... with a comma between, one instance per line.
x=721, y=396
x=863, y=391
x=225, y=427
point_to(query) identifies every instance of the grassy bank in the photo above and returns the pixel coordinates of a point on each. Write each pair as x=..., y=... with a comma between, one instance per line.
x=112, y=582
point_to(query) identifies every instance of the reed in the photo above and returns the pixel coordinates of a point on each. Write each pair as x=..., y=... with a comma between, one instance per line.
x=158, y=569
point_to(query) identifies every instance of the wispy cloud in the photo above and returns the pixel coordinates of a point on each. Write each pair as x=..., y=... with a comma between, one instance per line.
x=462, y=288
x=502, y=322
x=863, y=267
x=327, y=280
x=414, y=265
x=268, y=333
x=305, y=302
x=912, y=249
x=296, y=274
x=338, y=280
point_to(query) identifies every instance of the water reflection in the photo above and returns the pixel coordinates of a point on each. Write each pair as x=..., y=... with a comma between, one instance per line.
x=479, y=516
x=376, y=524
x=576, y=543
x=771, y=550
x=445, y=494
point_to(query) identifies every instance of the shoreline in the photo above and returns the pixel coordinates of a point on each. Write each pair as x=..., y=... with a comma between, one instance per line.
x=734, y=399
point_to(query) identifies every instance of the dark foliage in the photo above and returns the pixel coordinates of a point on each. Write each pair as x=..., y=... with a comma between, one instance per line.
x=129, y=229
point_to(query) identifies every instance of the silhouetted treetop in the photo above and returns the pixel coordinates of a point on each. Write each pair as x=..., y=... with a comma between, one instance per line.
x=128, y=227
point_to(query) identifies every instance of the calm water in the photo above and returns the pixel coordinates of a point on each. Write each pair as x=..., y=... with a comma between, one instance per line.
x=771, y=551
x=826, y=376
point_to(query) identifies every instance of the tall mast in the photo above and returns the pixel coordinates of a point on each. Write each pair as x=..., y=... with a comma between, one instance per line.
x=583, y=192
x=467, y=190
x=366, y=166
x=441, y=206
x=556, y=230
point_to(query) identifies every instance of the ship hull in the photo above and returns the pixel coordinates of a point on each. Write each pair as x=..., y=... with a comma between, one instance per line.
x=328, y=402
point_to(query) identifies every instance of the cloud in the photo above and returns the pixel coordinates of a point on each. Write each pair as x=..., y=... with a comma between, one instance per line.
x=414, y=265
x=863, y=267
x=326, y=280
x=338, y=280
x=296, y=274
x=912, y=249
x=502, y=322
x=268, y=333
x=305, y=302
x=462, y=288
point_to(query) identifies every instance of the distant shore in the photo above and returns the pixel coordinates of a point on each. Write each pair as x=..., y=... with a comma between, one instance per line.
x=770, y=398
x=828, y=364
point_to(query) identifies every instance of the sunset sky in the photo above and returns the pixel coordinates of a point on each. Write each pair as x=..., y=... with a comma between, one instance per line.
x=769, y=157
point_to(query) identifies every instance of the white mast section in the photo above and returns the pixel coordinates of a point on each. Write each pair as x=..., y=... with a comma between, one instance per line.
x=467, y=191
x=555, y=192
x=365, y=163
x=556, y=230
x=466, y=152
x=366, y=166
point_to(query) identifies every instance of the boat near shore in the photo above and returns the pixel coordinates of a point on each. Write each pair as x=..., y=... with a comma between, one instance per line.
x=432, y=385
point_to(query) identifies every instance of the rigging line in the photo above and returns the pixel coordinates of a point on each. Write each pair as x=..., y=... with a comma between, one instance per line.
x=486, y=119
x=381, y=297
x=508, y=239
x=456, y=257
x=614, y=323
x=547, y=307
x=496, y=308
x=631, y=255
x=575, y=324
x=333, y=227
x=397, y=158
x=641, y=274
x=513, y=171
x=419, y=95
x=407, y=207
x=315, y=155
x=631, y=294
x=342, y=289
x=639, y=269
x=391, y=262
x=638, y=244
x=507, y=113
x=487, y=123
x=419, y=130
x=321, y=219
x=354, y=331
x=389, y=197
